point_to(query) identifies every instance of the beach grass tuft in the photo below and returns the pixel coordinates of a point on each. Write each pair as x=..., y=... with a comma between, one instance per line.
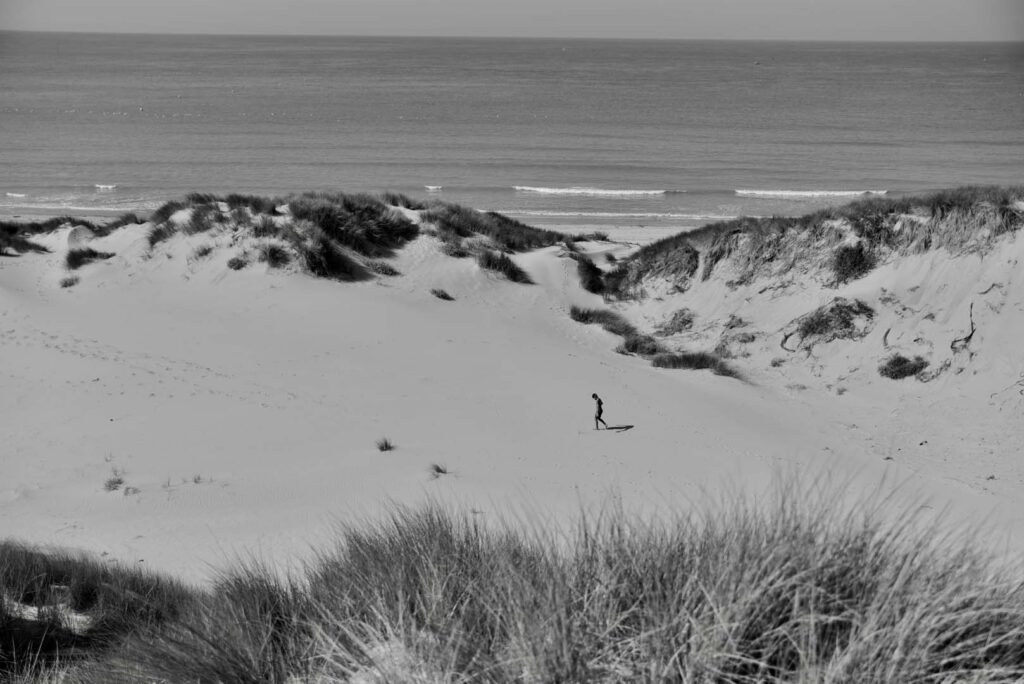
x=501, y=263
x=79, y=257
x=897, y=367
x=696, y=361
x=442, y=294
x=807, y=583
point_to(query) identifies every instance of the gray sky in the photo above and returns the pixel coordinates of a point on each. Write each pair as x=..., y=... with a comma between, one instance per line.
x=764, y=19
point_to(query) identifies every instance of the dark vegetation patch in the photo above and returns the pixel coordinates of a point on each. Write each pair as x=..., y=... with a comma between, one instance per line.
x=455, y=221
x=681, y=321
x=611, y=321
x=326, y=258
x=897, y=367
x=591, y=277
x=757, y=247
x=385, y=444
x=696, y=361
x=84, y=255
x=13, y=241
x=361, y=223
x=644, y=345
x=69, y=281
x=382, y=268
x=166, y=211
x=274, y=255
x=430, y=595
x=265, y=226
x=455, y=249
x=159, y=233
x=202, y=251
x=397, y=199
x=200, y=221
x=851, y=262
x=237, y=263
x=442, y=294
x=836, y=320
x=127, y=219
x=501, y=263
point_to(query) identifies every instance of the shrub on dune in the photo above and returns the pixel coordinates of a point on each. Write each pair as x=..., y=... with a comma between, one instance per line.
x=505, y=232
x=166, y=211
x=644, y=345
x=360, y=222
x=502, y=264
x=851, y=262
x=274, y=255
x=324, y=258
x=591, y=277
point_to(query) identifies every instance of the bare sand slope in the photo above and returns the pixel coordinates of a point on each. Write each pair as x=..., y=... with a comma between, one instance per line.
x=241, y=408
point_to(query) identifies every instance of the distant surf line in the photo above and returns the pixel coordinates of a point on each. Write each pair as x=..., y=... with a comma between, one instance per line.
x=578, y=191
x=615, y=215
x=808, y=194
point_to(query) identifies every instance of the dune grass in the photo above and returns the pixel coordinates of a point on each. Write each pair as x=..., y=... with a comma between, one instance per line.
x=501, y=263
x=506, y=233
x=696, y=361
x=613, y=322
x=77, y=258
x=591, y=277
x=801, y=586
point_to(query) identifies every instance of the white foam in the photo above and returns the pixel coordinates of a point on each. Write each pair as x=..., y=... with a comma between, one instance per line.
x=808, y=194
x=15, y=195
x=101, y=186
x=433, y=188
x=592, y=192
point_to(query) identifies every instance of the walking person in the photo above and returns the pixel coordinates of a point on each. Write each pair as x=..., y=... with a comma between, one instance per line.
x=598, y=412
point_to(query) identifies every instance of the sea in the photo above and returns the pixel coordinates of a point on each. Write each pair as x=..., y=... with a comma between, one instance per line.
x=637, y=138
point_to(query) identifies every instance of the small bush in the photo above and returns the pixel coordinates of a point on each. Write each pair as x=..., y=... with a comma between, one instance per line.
x=385, y=444
x=237, y=263
x=82, y=256
x=441, y=294
x=609, y=320
x=695, y=361
x=383, y=268
x=202, y=251
x=644, y=345
x=897, y=367
x=835, y=320
x=159, y=233
x=500, y=263
x=70, y=281
x=274, y=255
x=436, y=470
x=851, y=262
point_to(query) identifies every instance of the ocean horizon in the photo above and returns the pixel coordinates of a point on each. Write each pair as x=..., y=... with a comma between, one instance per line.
x=557, y=132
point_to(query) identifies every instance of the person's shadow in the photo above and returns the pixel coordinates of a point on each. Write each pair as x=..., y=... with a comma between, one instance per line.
x=619, y=428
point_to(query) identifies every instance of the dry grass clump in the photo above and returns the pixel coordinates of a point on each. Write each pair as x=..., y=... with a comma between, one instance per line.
x=836, y=320
x=644, y=345
x=385, y=444
x=681, y=321
x=327, y=259
x=69, y=281
x=273, y=254
x=382, y=268
x=238, y=262
x=696, y=361
x=83, y=255
x=897, y=367
x=501, y=263
x=851, y=262
x=803, y=586
x=361, y=223
x=397, y=199
x=160, y=232
x=202, y=251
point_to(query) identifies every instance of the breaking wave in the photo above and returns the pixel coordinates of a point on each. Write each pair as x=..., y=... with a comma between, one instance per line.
x=16, y=195
x=617, y=215
x=590, y=192
x=102, y=186
x=808, y=194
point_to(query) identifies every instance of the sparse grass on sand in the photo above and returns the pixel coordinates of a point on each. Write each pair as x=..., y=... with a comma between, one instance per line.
x=614, y=323
x=385, y=444
x=803, y=586
x=69, y=281
x=455, y=221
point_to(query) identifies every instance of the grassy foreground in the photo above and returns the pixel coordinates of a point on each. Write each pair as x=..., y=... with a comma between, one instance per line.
x=798, y=589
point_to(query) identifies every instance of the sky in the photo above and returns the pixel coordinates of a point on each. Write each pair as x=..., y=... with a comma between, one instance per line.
x=912, y=20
